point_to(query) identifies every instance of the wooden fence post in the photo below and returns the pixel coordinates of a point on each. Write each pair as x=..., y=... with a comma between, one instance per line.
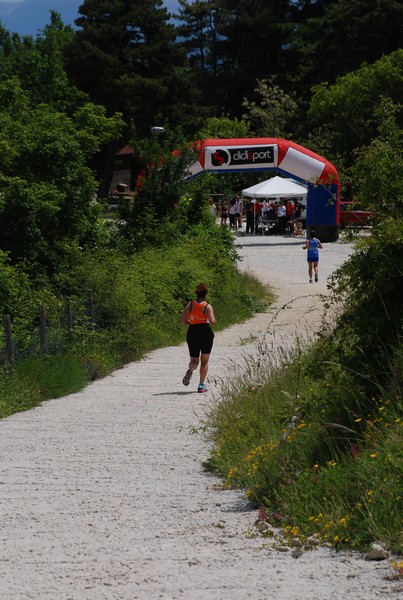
x=9, y=341
x=43, y=329
x=90, y=305
x=69, y=316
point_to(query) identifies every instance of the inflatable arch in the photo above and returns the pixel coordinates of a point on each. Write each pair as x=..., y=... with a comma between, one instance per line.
x=288, y=158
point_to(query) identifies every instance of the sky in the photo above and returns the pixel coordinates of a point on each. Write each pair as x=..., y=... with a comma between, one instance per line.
x=27, y=17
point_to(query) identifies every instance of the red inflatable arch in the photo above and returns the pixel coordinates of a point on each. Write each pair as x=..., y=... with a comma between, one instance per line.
x=262, y=154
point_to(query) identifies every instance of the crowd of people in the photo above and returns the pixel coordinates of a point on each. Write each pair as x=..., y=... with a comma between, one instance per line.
x=280, y=217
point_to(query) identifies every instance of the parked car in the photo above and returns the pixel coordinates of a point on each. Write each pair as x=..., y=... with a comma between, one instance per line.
x=351, y=214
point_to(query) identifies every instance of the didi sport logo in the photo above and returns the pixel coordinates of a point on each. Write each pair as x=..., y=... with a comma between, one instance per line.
x=242, y=156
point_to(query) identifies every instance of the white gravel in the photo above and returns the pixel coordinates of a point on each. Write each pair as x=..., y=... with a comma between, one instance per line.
x=103, y=495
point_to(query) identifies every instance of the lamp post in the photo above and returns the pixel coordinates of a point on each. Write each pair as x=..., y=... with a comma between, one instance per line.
x=156, y=131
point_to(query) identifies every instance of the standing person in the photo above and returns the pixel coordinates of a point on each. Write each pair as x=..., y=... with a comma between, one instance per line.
x=313, y=245
x=231, y=214
x=224, y=213
x=212, y=208
x=258, y=205
x=238, y=212
x=299, y=209
x=265, y=209
x=282, y=217
x=199, y=314
x=290, y=210
x=249, y=216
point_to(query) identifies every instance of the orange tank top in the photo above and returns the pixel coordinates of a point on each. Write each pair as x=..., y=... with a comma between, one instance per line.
x=197, y=313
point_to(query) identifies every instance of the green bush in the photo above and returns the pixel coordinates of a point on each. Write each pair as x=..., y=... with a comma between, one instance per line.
x=138, y=300
x=320, y=454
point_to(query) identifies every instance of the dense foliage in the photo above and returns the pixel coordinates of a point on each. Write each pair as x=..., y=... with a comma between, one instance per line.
x=137, y=304
x=345, y=116
x=47, y=187
x=320, y=456
x=125, y=56
x=318, y=442
x=133, y=58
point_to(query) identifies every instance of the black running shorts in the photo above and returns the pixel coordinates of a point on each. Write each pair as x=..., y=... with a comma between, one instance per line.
x=200, y=339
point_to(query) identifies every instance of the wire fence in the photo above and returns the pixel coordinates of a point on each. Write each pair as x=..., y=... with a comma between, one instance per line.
x=49, y=335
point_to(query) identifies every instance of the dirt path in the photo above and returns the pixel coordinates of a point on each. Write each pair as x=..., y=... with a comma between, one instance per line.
x=102, y=493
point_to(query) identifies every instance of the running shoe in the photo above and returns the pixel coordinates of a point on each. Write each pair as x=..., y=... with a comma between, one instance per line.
x=202, y=388
x=311, y=281
x=188, y=377
x=316, y=277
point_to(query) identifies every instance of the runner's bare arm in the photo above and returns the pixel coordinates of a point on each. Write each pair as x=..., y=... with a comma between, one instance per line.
x=185, y=315
x=210, y=314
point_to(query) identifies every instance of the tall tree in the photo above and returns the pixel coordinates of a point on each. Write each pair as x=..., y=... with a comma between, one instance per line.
x=334, y=37
x=369, y=282
x=157, y=214
x=342, y=117
x=197, y=31
x=126, y=57
x=234, y=43
x=39, y=64
x=254, y=35
x=271, y=111
x=46, y=185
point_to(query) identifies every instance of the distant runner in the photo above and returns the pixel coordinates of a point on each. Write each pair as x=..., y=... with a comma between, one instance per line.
x=199, y=314
x=313, y=245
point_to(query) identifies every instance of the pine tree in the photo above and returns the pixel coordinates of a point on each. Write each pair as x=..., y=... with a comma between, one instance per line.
x=197, y=31
x=126, y=57
x=336, y=37
x=254, y=37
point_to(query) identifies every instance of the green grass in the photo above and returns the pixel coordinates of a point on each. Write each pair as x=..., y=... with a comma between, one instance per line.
x=16, y=394
x=53, y=375
x=320, y=458
x=37, y=379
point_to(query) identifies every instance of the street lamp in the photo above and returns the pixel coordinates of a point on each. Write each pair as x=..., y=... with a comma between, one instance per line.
x=157, y=130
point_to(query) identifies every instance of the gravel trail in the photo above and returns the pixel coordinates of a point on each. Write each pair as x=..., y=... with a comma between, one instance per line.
x=103, y=496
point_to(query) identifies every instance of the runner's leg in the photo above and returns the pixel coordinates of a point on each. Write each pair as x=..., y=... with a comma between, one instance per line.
x=194, y=363
x=204, y=367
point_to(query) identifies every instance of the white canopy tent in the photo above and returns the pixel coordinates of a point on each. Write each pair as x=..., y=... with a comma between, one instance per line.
x=276, y=187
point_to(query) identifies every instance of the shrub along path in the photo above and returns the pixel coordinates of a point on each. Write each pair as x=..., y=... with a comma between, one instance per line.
x=103, y=495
